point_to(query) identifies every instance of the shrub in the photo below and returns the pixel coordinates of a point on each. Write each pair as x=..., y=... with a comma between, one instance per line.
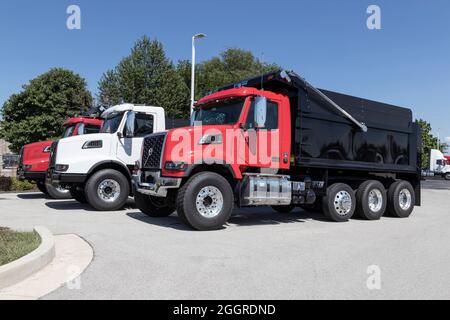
x=12, y=184
x=17, y=185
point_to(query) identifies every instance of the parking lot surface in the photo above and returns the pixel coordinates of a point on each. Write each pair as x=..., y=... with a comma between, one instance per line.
x=260, y=255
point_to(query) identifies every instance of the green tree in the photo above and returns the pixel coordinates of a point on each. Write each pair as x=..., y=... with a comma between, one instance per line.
x=39, y=110
x=429, y=141
x=146, y=77
x=230, y=66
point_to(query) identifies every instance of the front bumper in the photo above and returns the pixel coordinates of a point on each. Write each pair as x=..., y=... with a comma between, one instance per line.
x=57, y=178
x=151, y=183
x=30, y=175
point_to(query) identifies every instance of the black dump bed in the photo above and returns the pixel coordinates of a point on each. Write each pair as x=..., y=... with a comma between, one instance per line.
x=323, y=137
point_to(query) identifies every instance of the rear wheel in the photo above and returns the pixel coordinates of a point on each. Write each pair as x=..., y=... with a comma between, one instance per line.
x=206, y=201
x=78, y=194
x=447, y=176
x=154, y=206
x=371, y=200
x=41, y=186
x=402, y=199
x=339, y=204
x=58, y=192
x=107, y=190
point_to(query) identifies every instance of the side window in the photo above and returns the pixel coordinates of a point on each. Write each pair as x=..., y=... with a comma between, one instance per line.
x=89, y=129
x=143, y=125
x=272, y=116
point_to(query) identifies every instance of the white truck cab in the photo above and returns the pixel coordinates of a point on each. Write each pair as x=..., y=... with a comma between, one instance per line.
x=97, y=168
x=439, y=164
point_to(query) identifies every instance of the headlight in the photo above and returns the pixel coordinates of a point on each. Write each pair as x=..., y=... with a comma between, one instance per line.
x=61, y=167
x=175, y=166
x=97, y=144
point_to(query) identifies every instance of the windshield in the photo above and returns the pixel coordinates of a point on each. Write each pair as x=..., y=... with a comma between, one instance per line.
x=220, y=112
x=112, y=123
x=69, y=131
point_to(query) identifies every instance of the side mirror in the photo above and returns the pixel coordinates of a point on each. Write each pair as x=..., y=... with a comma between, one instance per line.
x=129, y=125
x=260, y=112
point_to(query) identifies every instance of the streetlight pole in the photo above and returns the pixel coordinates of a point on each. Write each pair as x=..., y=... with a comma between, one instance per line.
x=195, y=37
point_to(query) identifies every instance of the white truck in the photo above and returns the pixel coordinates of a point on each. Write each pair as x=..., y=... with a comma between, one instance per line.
x=439, y=164
x=97, y=168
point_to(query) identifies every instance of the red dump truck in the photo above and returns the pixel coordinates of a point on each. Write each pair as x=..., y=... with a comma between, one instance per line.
x=275, y=140
x=34, y=157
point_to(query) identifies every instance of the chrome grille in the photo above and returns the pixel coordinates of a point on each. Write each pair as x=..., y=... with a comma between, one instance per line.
x=152, y=152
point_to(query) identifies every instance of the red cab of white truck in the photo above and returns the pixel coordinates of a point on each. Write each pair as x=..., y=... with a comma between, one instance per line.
x=35, y=157
x=275, y=140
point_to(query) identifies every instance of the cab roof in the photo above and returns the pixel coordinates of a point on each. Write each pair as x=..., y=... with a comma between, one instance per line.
x=131, y=107
x=235, y=93
x=86, y=120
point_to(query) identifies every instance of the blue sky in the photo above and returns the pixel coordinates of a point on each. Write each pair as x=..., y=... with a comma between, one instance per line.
x=406, y=63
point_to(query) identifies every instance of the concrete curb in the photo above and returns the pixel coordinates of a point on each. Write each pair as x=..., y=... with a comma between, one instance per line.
x=21, y=269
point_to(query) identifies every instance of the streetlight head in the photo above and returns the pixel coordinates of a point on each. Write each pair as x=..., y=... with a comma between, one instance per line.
x=199, y=36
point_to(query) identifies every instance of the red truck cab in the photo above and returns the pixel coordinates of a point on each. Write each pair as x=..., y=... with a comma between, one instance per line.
x=34, y=157
x=238, y=107
x=275, y=140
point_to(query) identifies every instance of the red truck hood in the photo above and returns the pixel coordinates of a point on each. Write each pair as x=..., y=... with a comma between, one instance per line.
x=34, y=155
x=182, y=144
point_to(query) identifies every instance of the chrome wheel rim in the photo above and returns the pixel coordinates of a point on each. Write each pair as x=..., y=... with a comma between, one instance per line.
x=375, y=200
x=62, y=189
x=108, y=190
x=209, y=202
x=405, y=199
x=343, y=203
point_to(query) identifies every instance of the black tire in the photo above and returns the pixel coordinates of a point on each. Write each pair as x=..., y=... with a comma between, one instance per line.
x=187, y=201
x=375, y=190
x=42, y=188
x=395, y=208
x=447, y=176
x=334, y=204
x=153, y=206
x=78, y=195
x=107, y=180
x=57, y=193
x=284, y=209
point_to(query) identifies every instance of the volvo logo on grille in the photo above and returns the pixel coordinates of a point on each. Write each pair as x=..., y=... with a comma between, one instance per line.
x=150, y=152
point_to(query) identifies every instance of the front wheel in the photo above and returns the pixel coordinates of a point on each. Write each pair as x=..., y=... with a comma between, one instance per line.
x=205, y=202
x=107, y=190
x=42, y=188
x=153, y=206
x=447, y=176
x=58, y=193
